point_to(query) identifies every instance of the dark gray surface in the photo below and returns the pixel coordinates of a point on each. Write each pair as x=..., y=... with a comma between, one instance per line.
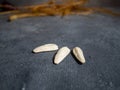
x=98, y=35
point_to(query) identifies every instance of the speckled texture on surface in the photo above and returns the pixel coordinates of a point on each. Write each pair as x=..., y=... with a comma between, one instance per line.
x=98, y=35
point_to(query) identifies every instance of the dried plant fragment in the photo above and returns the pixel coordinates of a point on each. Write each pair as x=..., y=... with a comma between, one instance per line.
x=55, y=8
x=25, y=15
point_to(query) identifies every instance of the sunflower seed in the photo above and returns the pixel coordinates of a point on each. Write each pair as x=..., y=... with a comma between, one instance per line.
x=45, y=48
x=79, y=54
x=61, y=54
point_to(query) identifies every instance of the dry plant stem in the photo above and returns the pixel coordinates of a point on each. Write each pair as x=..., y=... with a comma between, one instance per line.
x=9, y=12
x=106, y=11
x=83, y=13
x=66, y=5
x=10, y=7
x=24, y=15
x=47, y=11
x=53, y=8
x=35, y=7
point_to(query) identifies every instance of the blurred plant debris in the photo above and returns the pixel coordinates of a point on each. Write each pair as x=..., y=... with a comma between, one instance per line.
x=53, y=8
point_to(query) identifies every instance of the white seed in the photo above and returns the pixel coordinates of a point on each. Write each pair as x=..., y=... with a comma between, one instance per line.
x=79, y=54
x=61, y=54
x=45, y=48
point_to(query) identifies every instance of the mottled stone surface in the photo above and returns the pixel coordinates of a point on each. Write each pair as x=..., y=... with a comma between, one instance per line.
x=98, y=35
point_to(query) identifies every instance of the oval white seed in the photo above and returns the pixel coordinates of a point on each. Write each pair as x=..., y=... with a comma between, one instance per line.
x=61, y=54
x=45, y=48
x=79, y=54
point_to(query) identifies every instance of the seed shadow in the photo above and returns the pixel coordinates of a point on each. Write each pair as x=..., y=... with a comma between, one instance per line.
x=8, y=20
x=35, y=53
x=54, y=58
x=39, y=52
x=32, y=52
x=76, y=59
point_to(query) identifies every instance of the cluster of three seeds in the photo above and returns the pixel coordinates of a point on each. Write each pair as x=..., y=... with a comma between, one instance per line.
x=61, y=53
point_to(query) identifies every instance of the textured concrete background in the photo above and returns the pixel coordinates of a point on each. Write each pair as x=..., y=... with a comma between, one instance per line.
x=98, y=35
